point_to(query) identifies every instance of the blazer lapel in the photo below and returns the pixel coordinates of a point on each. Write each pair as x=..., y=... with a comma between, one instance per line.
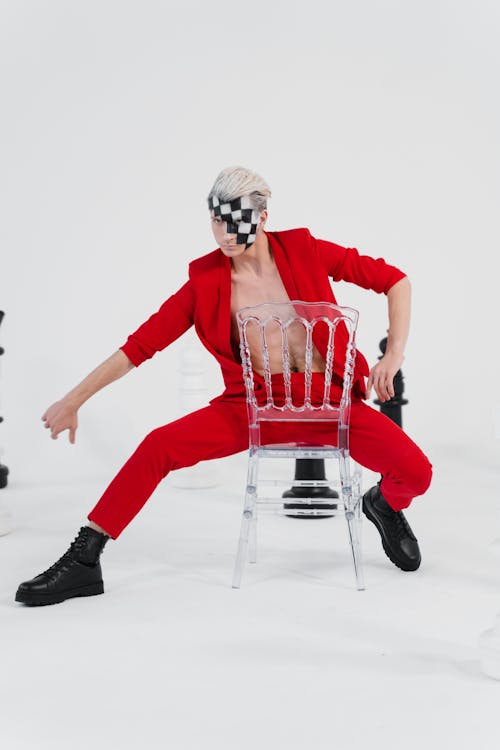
x=302, y=282
x=224, y=308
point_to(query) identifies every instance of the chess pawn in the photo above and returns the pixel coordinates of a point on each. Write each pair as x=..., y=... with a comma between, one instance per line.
x=489, y=641
x=193, y=396
x=495, y=545
x=489, y=648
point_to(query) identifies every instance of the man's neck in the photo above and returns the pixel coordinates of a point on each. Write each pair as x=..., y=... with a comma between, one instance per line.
x=256, y=259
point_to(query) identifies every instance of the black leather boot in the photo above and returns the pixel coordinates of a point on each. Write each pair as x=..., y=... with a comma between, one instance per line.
x=77, y=573
x=398, y=540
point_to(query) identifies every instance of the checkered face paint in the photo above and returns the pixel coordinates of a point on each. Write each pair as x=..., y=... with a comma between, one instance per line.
x=241, y=218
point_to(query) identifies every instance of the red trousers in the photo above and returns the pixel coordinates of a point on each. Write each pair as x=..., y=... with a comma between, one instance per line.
x=221, y=429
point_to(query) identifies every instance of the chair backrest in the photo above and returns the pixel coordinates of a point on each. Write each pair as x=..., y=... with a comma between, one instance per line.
x=254, y=325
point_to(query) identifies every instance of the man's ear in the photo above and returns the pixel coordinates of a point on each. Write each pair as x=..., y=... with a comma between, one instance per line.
x=263, y=216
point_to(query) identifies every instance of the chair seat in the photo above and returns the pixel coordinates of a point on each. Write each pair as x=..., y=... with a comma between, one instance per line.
x=324, y=413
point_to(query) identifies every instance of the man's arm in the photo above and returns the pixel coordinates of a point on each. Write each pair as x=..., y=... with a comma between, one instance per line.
x=63, y=414
x=173, y=318
x=346, y=264
x=382, y=374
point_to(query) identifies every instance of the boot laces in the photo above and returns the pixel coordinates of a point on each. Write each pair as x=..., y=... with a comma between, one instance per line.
x=77, y=544
x=63, y=558
x=402, y=526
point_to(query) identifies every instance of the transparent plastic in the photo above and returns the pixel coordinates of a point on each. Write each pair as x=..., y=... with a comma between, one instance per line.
x=289, y=328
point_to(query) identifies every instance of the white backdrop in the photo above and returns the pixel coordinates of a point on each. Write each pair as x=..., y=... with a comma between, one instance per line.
x=374, y=122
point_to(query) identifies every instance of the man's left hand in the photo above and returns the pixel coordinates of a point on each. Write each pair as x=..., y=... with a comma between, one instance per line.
x=382, y=376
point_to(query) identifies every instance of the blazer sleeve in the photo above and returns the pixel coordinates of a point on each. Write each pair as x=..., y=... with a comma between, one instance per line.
x=346, y=264
x=171, y=320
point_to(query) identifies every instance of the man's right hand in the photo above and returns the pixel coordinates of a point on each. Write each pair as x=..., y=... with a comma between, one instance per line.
x=61, y=416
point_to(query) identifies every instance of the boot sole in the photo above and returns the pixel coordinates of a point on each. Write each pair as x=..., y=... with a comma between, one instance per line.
x=395, y=560
x=38, y=600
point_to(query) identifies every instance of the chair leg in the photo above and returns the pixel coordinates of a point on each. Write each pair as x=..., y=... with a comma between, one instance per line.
x=247, y=522
x=352, y=503
x=357, y=524
x=354, y=527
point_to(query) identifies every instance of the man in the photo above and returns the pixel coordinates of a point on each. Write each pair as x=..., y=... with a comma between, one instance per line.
x=249, y=266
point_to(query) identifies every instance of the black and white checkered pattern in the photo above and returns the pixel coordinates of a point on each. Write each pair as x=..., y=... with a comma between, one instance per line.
x=241, y=218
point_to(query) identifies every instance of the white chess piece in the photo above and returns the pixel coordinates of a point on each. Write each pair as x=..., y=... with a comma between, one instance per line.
x=489, y=648
x=495, y=545
x=193, y=396
x=489, y=640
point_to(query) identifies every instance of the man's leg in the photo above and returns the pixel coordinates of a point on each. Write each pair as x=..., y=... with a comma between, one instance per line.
x=376, y=442
x=379, y=444
x=215, y=431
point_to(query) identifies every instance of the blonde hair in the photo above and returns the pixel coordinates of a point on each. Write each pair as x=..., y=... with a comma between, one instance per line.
x=234, y=182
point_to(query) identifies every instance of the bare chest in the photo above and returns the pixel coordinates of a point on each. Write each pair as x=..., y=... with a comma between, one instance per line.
x=246, y=292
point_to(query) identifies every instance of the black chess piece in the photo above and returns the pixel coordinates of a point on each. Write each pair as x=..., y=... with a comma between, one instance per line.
x=3, y=469
x=307, y=469
x=392, y=408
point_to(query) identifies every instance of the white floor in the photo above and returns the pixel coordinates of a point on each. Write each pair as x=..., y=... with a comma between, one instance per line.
x=172, y=657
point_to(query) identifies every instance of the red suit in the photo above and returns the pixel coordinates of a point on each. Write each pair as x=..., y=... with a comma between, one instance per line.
x=220, y=429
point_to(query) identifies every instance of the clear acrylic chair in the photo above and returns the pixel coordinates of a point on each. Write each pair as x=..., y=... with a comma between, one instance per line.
x=295, y=325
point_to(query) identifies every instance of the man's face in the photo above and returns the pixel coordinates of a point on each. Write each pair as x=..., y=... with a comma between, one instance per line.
x=234, y=224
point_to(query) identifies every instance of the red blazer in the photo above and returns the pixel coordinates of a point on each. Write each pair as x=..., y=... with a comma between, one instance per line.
x=304, y=264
